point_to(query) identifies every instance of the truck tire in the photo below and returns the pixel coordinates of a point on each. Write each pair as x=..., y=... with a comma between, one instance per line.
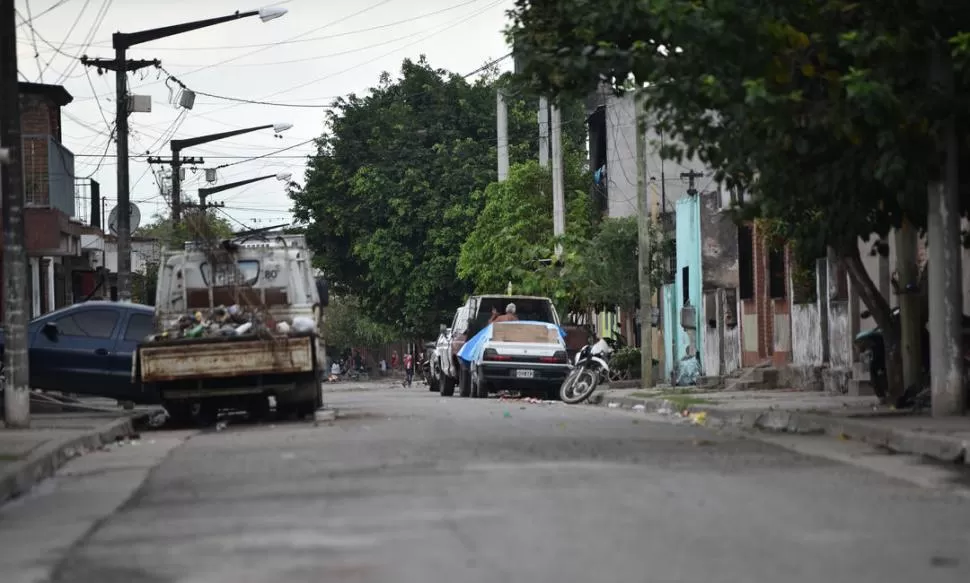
x=446, y=384
x=464, y=382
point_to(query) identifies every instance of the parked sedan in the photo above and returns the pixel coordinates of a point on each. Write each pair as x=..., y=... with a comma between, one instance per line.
x=87, y=349
x=521, y=356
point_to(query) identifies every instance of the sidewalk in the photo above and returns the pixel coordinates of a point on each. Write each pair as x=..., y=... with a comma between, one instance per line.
x=28, y=456
x=794, y=411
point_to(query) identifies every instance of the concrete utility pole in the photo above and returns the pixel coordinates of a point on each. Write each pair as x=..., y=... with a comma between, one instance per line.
x=16, y=311
x=558, y=180
x=910, y=309
x=502, y=135
x=120, y=65
x=644, y=251
x=945, y=278
x=543, y=132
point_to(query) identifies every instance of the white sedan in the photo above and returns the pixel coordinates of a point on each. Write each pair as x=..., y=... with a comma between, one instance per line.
x=522, y=356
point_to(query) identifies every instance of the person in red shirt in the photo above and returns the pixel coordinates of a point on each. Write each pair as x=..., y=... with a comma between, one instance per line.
x=408, y=369
x=394, y=360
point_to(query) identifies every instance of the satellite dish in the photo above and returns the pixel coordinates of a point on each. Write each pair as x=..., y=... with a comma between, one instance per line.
x=134, y=219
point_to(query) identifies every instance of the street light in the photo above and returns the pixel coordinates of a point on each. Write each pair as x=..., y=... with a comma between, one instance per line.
x=179, y=145
x=122, y=42
x=204, y=192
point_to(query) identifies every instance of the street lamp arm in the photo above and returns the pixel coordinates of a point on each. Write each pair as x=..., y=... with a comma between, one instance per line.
x=125, y=40
x=214, y=189
x=179, y=145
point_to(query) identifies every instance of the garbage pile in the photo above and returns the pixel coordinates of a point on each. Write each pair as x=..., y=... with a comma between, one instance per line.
x=231, y=321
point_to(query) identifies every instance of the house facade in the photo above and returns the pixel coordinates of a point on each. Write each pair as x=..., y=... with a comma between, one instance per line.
x=52, y=234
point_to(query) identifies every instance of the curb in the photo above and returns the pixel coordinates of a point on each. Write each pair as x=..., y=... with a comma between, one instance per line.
x=939, y=447
x=44, y=461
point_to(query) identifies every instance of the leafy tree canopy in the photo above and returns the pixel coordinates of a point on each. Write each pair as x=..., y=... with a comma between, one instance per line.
x=194, y=225
x=513, y=236
x=609, y=263
x=387, y=199
x=823, y=111
x=348, y=327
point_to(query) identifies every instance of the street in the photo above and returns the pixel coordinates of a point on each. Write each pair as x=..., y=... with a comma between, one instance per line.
x=408, y=487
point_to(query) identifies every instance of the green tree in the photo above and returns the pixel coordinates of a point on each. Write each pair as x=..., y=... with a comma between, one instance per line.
x=194, y=225
x=387, y=197
x=513, y=236
x=609, y=267
x=821, y=112
x=346, y=326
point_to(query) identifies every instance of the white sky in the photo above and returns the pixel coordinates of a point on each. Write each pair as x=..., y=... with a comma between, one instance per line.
x=320, y=49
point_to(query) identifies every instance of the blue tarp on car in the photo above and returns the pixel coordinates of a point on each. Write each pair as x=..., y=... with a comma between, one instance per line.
x=473, y=348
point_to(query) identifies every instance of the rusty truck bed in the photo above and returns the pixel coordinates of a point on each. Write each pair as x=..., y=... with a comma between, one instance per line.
x=225, y=357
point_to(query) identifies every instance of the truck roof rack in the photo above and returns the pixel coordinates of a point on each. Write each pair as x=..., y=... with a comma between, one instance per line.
x=257, y=241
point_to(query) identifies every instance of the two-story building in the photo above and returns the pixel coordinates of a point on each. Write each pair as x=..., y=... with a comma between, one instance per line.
x=53, y=241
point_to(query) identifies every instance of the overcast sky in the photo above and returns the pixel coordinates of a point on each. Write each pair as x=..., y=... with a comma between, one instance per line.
x=320, y=49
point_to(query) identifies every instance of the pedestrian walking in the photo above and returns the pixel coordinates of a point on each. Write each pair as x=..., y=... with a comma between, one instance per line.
x=408, y=369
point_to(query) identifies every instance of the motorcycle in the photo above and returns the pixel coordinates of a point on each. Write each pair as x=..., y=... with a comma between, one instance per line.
x=872, y=354
x=590, y=368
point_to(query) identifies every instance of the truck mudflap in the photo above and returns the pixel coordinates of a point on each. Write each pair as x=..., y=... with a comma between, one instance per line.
x=210, y=358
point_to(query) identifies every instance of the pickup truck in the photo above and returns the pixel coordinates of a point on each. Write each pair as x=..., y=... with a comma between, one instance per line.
x=267, y=276
x=471, y=318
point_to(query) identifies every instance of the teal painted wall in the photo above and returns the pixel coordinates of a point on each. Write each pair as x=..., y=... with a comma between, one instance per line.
x=688, y=233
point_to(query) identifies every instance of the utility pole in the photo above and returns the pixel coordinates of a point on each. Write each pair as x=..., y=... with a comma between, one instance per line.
x=558, y=180
x=910, y=308
x=121, y=66
x=644, y=252
x=16, y=311
x=121, y=42
x=945, y=278
x=502, y=131
x=543, y=132
x=176, y=162
x=691, y=176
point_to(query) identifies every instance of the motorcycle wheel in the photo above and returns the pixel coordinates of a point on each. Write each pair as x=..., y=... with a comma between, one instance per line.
x=579, y=385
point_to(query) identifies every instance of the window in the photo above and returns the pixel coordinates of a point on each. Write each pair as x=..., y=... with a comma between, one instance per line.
x=685, y=278
x=139, y=326
x=745, y=262
x=244, y=272
x=90, y=323
x=776, y=273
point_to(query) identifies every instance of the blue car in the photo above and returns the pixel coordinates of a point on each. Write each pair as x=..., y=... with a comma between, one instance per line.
x=87, y=349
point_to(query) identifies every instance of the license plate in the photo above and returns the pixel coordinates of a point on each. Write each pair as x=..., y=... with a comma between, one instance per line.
x=524, y=374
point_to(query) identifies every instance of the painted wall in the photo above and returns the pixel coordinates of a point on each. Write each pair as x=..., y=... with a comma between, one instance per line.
x=688, y=231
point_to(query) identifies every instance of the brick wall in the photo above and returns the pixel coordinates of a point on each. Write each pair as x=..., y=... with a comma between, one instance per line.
x=766, y=321
x=40, y=115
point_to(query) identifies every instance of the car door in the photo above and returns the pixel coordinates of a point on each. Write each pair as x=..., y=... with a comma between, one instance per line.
x=73, y=349
x=136, y=326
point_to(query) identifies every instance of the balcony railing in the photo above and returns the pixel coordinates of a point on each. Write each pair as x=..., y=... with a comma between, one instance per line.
x=48, y=174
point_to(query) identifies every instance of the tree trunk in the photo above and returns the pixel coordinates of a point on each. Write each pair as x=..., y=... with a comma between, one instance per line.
x=878, y=306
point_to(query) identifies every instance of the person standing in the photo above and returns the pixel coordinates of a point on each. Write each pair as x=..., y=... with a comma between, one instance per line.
x=408, y=369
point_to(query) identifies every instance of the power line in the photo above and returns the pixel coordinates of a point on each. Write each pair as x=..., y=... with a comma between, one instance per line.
x=328, y=25
x=43, y=12
x=67, y=36
x=358, y=65
x=295, y=40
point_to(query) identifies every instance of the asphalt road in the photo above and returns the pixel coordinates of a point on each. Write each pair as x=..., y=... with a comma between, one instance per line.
x=408, y=487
